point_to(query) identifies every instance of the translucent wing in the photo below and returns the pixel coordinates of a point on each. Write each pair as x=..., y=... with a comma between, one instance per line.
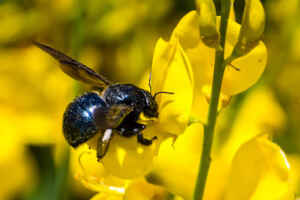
x=75, y=69
x=111, y=117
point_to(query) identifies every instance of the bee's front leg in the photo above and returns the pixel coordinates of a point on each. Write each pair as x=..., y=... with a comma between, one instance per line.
x=144, y=141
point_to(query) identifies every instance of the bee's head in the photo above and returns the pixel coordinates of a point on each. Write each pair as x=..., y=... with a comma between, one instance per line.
x=151, y=107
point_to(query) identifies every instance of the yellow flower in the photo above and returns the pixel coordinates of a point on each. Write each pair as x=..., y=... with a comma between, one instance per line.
x=261, y=169
x=243, y=73
x=246, y=165
x=171, y=72
x=187, y=57
x=176, y=166
x=207, y=22
x=258, y=165
x=253, y=123
x=253, y=24
x=30, y=113
x=97, y=178
x=92, y=174
x=126, y=158
x=16, y=166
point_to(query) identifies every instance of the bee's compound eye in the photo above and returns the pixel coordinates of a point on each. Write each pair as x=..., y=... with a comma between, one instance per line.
x=151, y=107
x=78, y=122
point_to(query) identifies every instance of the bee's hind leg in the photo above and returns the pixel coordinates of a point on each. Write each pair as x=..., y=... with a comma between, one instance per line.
x=103, y=143
x=144, y=141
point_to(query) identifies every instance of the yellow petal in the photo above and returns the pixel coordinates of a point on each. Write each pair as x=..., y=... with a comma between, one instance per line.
x=250, y=68
x=170, y=63
x=187, y=31
x=92, y=174
x=232, y=13
x=127, y=159
x=141, y=190
x=253, y=22
x=207, y=22
x=163, y=54
x=106, y=196
x=249, y=124
x=202, y=58
x=216, y=179
x=178, y=162
x=259, y=170
x=294, y=161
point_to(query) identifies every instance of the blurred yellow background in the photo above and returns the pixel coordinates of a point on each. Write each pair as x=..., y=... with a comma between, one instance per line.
x=117, y=38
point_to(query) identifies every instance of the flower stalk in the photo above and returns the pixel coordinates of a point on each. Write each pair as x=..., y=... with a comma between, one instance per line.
x=219, y=68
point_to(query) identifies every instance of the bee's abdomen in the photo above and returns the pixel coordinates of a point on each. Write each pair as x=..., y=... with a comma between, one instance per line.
x=78, y=122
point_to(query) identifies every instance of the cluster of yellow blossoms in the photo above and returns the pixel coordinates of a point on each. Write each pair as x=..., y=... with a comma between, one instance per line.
x=246, y=166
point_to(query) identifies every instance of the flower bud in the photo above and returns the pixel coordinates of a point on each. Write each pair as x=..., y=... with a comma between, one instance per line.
x=207, y=22
x=253, y=24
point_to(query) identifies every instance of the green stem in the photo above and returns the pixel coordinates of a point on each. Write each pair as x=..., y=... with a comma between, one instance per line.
x=213, y=107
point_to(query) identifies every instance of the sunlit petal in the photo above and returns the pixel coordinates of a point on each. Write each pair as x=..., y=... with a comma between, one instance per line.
x=141, y=190
x=259, y=170
x=178, y=162
x=174, y=110
x=201, y=57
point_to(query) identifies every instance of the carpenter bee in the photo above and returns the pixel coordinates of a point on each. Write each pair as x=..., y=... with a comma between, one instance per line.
x=109, y=108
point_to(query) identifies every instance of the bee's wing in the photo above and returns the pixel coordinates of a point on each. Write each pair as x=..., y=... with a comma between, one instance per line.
x=111, y=117
x=75, y=69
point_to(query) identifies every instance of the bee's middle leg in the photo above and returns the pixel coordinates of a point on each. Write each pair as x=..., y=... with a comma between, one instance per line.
x=145, y=141
x=131, y=129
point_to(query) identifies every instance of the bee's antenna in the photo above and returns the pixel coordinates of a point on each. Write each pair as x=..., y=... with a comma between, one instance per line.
x=149, y=83
x=162, y=92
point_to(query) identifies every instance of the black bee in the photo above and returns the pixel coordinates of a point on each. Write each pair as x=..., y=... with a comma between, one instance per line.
x=110, y=108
